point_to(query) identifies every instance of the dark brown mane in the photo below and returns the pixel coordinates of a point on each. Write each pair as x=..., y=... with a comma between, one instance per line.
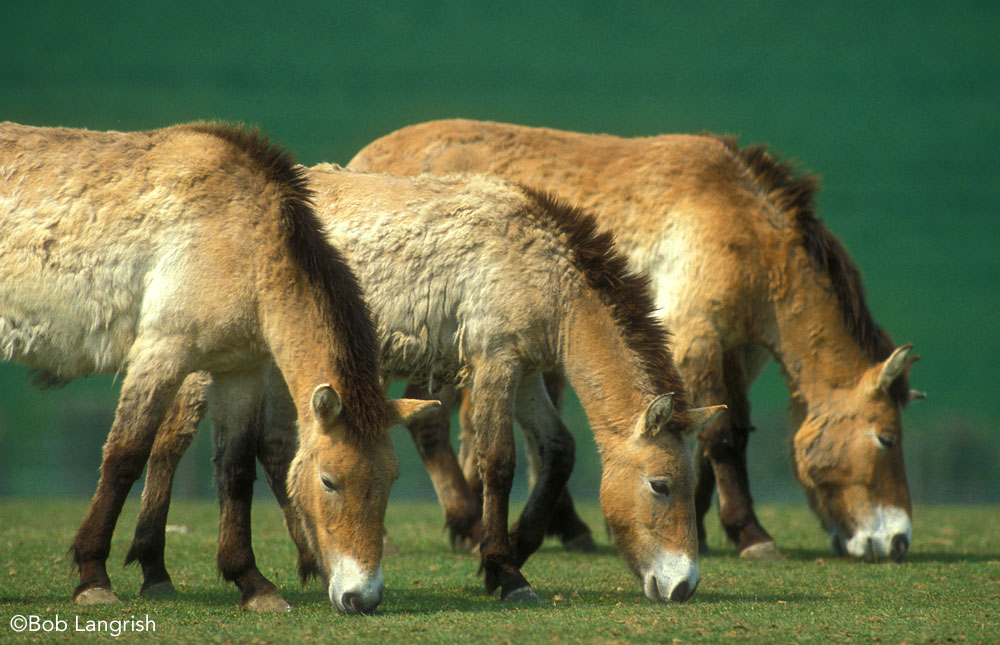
x=794, y=193
x=342, y=302
x=595, y=255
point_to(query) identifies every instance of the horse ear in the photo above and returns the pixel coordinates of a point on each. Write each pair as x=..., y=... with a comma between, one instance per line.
x=412, y=409
x=894, y=366
x=701, y=417
x=658, y=413
x=326, y=403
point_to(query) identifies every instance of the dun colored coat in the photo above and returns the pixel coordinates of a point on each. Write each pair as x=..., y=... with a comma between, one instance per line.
x=742, y=271
x=479, y=283
x=194, y=248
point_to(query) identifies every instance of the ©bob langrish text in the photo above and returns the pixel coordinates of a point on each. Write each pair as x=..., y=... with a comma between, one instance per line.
x=114, y=627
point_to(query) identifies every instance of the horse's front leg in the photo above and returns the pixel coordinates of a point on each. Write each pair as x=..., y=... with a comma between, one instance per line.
x=237, y=413
x=493, y=393
x=551, y=450
x=564, y=522
x=147, y=391
x=713, y=377
x=172, y=440
x=431, y=434
x=276, y=446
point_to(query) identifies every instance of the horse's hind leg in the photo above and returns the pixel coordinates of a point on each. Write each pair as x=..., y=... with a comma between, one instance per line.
x=237, y=404
x=432, y=437
x=172, y=440
x=147, y=391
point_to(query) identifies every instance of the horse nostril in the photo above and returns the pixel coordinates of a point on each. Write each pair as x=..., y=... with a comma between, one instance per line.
x=681, y=592
x=350, y=602
x=898, y=547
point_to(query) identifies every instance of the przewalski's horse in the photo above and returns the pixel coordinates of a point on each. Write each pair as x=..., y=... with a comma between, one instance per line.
x=193, y=248
x=742, y=270
x=478, y=282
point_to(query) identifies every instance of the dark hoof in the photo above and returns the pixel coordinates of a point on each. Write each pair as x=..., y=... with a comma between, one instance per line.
x=522, y=596
x=158, y=590
x=584, y=543
x=96, y=596
x=762, y=552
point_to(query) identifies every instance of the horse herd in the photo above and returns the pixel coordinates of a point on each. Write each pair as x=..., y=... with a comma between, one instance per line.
x=486, y=265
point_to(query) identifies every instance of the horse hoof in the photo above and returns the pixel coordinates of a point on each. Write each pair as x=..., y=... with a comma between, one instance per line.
x=97, y=596
x=762, y=552
x=269, y=603
x=158, y=590
x=584, y=543
x=523, y=596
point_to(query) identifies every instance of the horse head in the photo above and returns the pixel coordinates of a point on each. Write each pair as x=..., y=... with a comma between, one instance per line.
x=647, y=494
x=848, y=455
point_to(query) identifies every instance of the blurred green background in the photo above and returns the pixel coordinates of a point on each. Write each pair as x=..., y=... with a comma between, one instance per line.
x=895, y=104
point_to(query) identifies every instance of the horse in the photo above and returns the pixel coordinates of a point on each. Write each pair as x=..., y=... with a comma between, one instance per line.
x=743, y=270
x=195, y=248
x=484, y=284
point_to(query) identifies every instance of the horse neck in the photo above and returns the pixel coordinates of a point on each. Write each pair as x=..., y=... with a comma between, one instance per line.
x=298, y=336
x=603, y=370
x=810, y=338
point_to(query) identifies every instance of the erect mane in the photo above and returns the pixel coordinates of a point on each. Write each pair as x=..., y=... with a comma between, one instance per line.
x=794, y=193
x=340, y=297
x=594, y=253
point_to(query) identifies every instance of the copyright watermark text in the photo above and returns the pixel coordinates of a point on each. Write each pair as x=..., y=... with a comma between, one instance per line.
x=32, y=623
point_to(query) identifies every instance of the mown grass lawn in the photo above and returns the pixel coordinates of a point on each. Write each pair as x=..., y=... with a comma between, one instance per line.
x=947, y=590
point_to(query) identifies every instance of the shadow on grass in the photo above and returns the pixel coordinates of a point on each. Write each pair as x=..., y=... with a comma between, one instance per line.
x=811, y=555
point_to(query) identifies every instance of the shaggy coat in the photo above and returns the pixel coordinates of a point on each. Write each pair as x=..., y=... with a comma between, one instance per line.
x=478, y=283
x=164, y=253
x=742, y=271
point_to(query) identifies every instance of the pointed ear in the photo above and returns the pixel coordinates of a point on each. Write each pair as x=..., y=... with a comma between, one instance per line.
x=894, y=366
x=412, y=409
x=701, y=417
x=326, y=403
x=658, y=413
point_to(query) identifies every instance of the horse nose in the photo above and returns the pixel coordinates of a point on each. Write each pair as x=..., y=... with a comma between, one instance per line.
x=353, y=603
x=898, y=547
x=683, y=591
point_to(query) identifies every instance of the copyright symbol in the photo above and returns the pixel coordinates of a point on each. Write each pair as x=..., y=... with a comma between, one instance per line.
x=18, y=623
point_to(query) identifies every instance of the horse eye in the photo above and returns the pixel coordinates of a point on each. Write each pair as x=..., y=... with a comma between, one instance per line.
x=660, y=488
x=328, y=484
x=886, y=440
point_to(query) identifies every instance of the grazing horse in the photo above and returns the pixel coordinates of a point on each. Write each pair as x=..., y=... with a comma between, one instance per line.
x=477, y=282
x=195, y=248
x=742, y=271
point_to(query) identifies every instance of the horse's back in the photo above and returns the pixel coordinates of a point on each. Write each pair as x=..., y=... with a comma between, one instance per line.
x=449, y=265
x=682, y=207
x=101, y=232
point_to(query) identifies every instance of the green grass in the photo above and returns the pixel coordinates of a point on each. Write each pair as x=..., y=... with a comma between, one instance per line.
x=947, y=590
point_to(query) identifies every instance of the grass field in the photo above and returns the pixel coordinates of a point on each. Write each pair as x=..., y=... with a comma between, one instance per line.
x=947, y=590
